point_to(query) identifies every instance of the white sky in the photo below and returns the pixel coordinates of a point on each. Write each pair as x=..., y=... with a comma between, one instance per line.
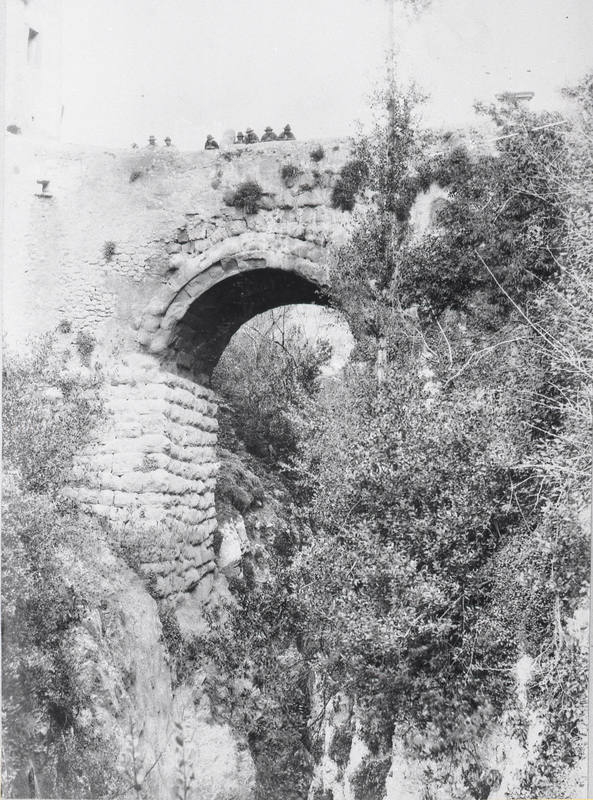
x=185, y=68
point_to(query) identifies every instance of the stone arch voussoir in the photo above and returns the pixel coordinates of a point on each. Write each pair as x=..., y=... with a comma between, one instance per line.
x=195, y=275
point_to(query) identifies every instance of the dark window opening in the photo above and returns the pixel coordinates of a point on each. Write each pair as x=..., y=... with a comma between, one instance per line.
x=33, y=47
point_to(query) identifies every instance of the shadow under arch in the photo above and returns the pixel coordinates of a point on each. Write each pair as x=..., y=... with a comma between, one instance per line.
x=202, y=334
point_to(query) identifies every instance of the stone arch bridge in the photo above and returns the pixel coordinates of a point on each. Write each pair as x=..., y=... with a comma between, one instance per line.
x=145, y=250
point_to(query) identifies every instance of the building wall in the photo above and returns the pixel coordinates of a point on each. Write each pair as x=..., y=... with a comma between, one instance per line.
x=34, y=66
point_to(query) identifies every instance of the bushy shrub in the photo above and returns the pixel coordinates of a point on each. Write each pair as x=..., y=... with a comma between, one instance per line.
x=85, y=344
x=289, y=173
x=349, y=183
x=47, y=417
x=266, y=379
x=340, y=746
x=248, y=196
x=317, y=154
x=109, y=250
x=368, y=783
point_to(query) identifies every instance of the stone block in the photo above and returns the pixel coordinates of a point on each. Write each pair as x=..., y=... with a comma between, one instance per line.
x=126, y=462
x=192, y=578
x=198, y=232
x=144, y=337
x=209, y=526
x=156, y=499
x=155, y=391
x=127, y=430
x=203, y=590
x=194, y=517
x=124, y=499
x=164, y=586
x=159, y=304
x=121, y=374
x=134, y=482
x=237, y=227
x=201, y=246
x=216, y=272
x=160, y=342
x=206, y=553
x=217, y=235
x=101, y=510
x=153, y=424
x=152, y=443
x=106, y=497
x=179, y=485
x=108, y=480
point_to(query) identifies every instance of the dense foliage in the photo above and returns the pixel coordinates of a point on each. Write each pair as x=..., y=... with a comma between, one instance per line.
x=437, y=499
x=265, y=354
x=49, y=747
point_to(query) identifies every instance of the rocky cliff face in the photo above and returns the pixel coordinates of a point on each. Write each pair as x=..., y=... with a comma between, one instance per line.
x=163, y=735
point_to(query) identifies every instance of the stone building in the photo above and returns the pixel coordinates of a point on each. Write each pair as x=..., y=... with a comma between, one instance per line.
x=33, y=90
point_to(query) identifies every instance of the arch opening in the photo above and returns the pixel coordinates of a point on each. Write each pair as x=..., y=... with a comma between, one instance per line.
x=200, y=337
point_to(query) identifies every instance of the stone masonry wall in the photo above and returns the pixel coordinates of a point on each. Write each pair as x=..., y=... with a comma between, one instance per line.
x=152, y=474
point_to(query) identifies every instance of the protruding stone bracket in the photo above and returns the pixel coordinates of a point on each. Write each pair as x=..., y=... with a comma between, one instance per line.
x=43, y=192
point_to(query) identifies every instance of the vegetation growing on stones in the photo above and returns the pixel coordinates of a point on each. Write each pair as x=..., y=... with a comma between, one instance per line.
x=349, y=183
x=109, y=250
x=289, y=173
x=85, y=344
x=368, y=783
x=317, y=154
x=248, y=197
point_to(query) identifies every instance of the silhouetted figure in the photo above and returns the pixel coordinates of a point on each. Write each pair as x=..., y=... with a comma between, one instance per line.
x=152, y=141
x=168, y=141
x=240, y=138
x=269, y=135
x=287, y=133
x=211, y=143
x=251, y=137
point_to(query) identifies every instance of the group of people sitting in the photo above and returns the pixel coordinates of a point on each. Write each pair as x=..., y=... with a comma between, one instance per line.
x=250, y=137
x=152, y=142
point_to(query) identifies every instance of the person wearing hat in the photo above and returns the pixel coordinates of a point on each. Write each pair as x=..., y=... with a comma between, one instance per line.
x=168, y=141
x=251, y=137
x=287, y=133
x=240, y=138
x=269, y=135
x=211, y=143
x=152, y=141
